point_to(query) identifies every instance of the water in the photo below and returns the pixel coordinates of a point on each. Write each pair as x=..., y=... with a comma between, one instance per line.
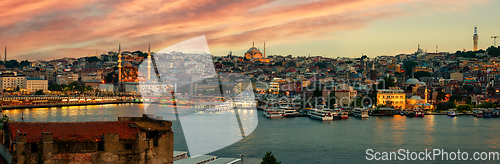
x=304, y=140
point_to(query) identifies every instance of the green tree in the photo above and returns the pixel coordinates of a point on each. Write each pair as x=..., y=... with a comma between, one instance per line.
x=4, y=119
x=387, y=82
x=451, y=104
x=39, y=92
x=440, y=96
x=269, y=159
x=408, y=66
x=420, y=74
x=463, y=108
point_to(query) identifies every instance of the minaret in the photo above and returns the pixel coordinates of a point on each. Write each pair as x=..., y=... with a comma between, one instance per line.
x=475, y=38
x=119, y=67
x=436, y=48
x=253, y=44
x=264, y=50
x=149, y=62
x=426, y=94
x=5, y=58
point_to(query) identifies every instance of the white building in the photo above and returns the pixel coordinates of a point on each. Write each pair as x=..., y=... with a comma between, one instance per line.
x=11, y=81
x=33, y=84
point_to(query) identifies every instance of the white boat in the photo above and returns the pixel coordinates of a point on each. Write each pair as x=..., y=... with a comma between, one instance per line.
x=222, y=107
x=290, y=113
x=244, y=104
x=452, y=113
x=273, y=114
x=361, y=113
x=321, y=115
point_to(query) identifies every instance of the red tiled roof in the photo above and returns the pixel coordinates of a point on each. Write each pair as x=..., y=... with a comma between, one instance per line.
x=73, y=131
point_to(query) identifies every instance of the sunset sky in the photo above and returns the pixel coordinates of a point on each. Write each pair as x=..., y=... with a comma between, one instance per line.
x=37, y=29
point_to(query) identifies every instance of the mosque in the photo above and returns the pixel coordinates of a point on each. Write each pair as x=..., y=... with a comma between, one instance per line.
x=254, y=54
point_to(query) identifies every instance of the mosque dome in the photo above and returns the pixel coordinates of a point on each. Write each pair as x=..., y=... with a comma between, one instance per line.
x=413, y=81
x=126, y=64
x=415, y=97
x=423, y=83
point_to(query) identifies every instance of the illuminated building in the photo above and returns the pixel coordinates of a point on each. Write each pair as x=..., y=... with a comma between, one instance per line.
x=255, y=54
x=391, y=98
x=475, y=38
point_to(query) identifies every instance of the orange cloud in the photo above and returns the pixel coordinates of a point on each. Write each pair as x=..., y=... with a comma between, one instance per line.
x=39, y=29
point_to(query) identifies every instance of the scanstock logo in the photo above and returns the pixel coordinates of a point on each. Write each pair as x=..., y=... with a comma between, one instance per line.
x=179, y=83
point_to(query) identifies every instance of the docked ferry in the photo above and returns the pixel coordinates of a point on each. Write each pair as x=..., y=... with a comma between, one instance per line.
x=487, y=113
x=452, y=113
x=273, y=114
x=495, y=113
x=410, y=113
x=321, y=115
x=361, y=113
x=419, y=113
x=344, y=114
x=290, y=113
x=222, y=107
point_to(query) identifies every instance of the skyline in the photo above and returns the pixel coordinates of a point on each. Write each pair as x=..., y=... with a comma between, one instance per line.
x=57, y=29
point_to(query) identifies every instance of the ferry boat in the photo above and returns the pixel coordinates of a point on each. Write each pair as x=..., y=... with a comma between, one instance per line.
x=487, y=113
x=321, y=115
x=452, y=113
x=410, y=113
x=474, y=112
x=419, y=113
x=479, y=113
x=361, y=113
x=222, y=107
x=344, y=114
x=290, y=113
x=273, y=114
x=335, y=113
x=495, y=113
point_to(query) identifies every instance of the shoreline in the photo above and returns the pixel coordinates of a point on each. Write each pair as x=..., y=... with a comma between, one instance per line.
x=62, y=105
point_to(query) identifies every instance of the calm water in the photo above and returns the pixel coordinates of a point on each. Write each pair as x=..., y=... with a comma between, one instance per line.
x=303, y=140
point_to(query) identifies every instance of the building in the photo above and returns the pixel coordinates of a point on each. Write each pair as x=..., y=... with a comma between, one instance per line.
x=457, y=76
x=43, y=73
x=345, y=97
x=93, y=83
x=422, y=69
x=33, y=84
x=128, y=140
x=66, y=78
x=391, y=98
x=255, y=54
x=11, y=81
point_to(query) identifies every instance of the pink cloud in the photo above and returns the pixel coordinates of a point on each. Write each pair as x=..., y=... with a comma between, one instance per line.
x=70, y=28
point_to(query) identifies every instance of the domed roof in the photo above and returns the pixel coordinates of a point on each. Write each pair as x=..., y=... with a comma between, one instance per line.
x=415, y=97
x=413, y=81
x=126, y=64
x=253, y=50
x=423, y=83
x=358, y=75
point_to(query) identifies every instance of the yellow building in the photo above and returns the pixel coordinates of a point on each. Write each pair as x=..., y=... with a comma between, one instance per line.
x=33, y=84
x=391, y=98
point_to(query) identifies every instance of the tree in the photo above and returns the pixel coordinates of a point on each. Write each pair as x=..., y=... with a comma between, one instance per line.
x=408, y=66
x=39, y=92
x=4, y=119
x=419, y=74
x=317, y=92
x=451, y=104
x=269, y=159
x=387, y=82
x=463, y=108
x=440, y=96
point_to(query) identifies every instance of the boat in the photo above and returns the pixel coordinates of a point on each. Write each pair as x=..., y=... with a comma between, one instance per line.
x=487, y=113
x=479, y=113
x=273, y=114
x=410, y=113
x=344, y=114
x=320, y=115
x=386, y=111
x=419, y=113
x=452, y=113
x=222, y=107
x=495, y=113
x=360, y=113
x=474, y=112
x=290, y=113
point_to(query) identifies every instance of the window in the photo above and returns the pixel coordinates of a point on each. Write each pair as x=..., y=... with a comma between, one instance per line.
x=128, y=146
x=34, y=148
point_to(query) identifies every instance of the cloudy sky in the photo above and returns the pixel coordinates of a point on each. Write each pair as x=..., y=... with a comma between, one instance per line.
x=40, y=29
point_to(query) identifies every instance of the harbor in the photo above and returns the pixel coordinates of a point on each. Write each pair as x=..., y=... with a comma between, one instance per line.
x=291, y=137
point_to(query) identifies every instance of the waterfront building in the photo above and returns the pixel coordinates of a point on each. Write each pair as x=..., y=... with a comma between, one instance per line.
x=33, y=84
x=395, y=98
x=345, y=97
x=11, y=81
x=128, y=140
